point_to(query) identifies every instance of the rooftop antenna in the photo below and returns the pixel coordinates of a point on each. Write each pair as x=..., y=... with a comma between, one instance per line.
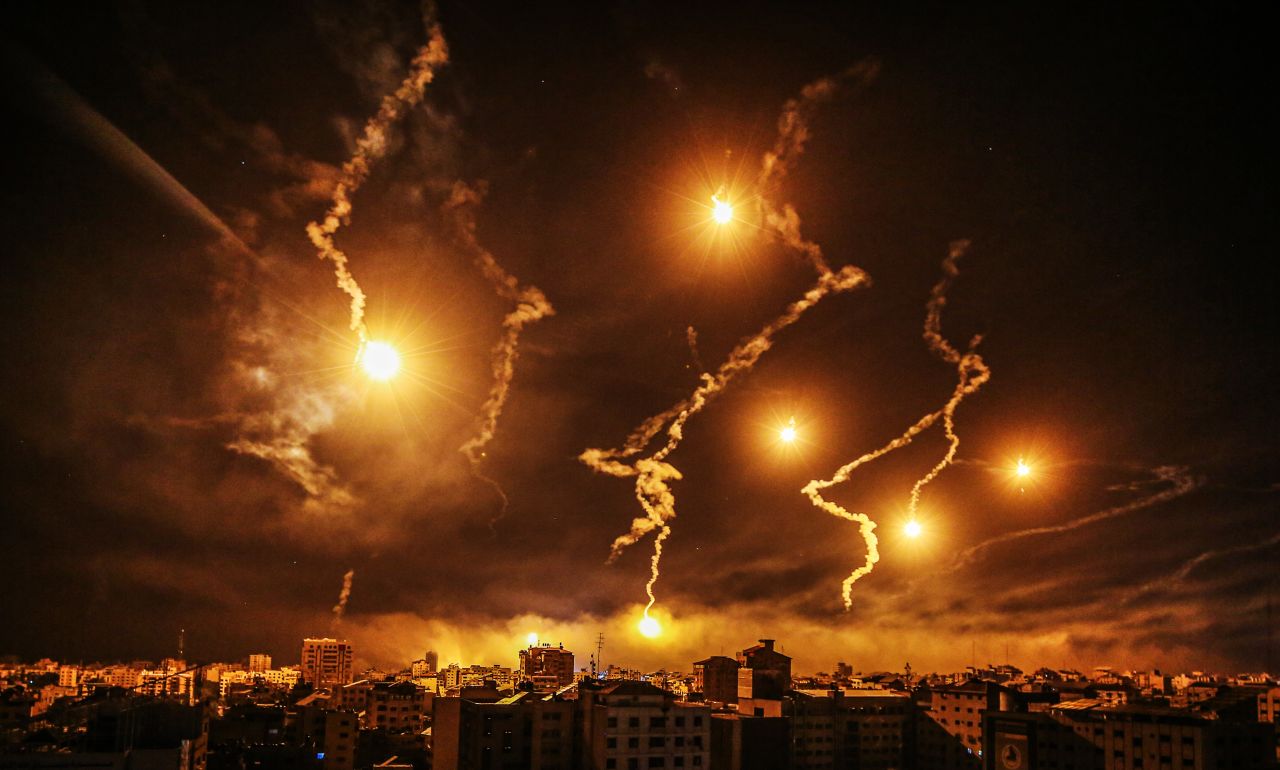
x=595, y=662
x=182, y=644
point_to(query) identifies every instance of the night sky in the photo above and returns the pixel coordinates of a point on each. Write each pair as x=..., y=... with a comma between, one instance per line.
x=1107, y=168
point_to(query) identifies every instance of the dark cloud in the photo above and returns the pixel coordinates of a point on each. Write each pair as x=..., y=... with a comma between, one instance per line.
x=1106, y=178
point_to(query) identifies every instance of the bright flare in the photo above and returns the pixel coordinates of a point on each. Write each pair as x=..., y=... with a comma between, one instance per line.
x=721, y=211
x=788, y=434
x=650, y=627
x=532, y=639
x=912, y=528
x=1023, y=470
x=380, y=361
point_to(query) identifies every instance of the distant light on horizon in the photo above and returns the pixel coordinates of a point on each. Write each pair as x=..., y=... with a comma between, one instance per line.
x=532, y=638
x=380, y=361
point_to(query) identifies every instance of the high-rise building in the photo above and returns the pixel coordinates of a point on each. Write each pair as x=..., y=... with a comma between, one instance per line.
x=478, y=731
x=546, y=666
x=327, y=662
x=717, y=679
x=259, y=662
x=628, y=725
x=432, y=660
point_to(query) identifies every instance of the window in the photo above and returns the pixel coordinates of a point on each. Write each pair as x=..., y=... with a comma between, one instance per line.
x=657, y=721
x=697, y=721
x=633, y=743
x=633, y=722
x=611, y=743
x=656, y=762
x=610, y=763
x=613, y=721
x=657, y=742
x=679, y=721
x=697, y=760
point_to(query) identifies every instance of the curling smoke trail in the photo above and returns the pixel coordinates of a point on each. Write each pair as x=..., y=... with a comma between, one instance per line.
x=344, y=595
x=531, y=305
x=793, y=133
x=371, y=146
x=653, y=473
x=973, y=371
x=1178, y=478
x=1184, y=571
x=972, y=374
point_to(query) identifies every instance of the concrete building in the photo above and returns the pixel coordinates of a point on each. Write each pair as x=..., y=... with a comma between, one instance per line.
x=633, y=725
x=949, y=733
x=326, y=662
x=526, y=731
x=763, y=672
x=548, y=667
x=1088, y=734
x=740, y=742
x=867, y=729
x=259, y=662
x=717, y=679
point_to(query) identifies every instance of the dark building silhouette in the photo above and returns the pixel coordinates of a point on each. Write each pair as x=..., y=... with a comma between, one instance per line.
x=717, y=679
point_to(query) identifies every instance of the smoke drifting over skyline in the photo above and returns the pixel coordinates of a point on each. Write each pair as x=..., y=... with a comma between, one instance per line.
x=165, y=303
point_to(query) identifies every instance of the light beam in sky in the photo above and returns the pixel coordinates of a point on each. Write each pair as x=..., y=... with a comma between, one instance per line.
x=371, y=146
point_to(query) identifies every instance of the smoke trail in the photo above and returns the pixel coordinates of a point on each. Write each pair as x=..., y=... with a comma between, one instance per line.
x=793, y=133
x=691, y=336
x=973, y=371
x=70, y=112
x=371, y=146
x=531, y=305
x=340, y=608
x=1184, y=571
x=653, y=473
x=1180, y=482
x=972, y=374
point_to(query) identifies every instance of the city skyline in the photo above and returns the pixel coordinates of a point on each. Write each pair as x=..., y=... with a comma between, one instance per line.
x=578, y=220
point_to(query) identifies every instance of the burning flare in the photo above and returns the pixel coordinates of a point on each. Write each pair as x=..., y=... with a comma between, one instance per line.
x=379, y=360
x=973, y=372
x=653, y=473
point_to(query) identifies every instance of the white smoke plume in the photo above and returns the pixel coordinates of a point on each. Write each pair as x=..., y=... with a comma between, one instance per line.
x=344, y=596
x=653, y=473
x=1176, y=479
x=793, y=134
x=531, y=305
x=972, y=374
x=371, y=146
